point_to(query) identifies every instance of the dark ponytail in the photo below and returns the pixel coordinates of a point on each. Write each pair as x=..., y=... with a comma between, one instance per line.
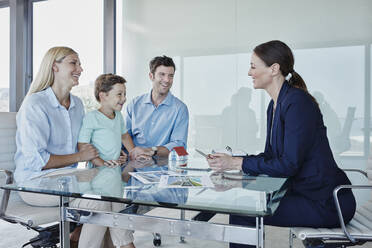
x=276, y=51
x=297, y=81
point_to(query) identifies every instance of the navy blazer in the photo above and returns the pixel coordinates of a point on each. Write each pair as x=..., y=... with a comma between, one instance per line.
x=299, y=148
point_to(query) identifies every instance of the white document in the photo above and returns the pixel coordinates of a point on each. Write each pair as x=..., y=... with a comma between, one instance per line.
x=185, y=181
x=150, y=177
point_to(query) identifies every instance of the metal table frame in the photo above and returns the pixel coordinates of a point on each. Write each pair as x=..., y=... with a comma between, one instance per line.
x=162, y=225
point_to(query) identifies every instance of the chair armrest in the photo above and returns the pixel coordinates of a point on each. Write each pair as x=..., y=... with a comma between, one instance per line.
x=341, y=218
x=9, y=176
x=357, y=170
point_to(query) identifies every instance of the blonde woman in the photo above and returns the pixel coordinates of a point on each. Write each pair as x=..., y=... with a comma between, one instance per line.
x=49, y=120
x=48, y=125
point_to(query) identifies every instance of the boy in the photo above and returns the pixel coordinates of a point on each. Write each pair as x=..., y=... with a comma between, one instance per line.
x=105, y=130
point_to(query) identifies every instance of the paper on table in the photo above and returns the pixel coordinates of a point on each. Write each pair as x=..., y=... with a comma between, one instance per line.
x=149, y=177
x=185, y=181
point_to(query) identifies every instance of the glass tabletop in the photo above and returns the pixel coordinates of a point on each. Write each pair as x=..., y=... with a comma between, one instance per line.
x=159, y=182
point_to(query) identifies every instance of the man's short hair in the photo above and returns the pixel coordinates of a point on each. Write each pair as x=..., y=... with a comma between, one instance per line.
x=161, y=60
x=105, y=82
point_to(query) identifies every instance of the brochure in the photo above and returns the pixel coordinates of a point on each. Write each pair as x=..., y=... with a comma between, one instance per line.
x=184, y=181
x=149, y=177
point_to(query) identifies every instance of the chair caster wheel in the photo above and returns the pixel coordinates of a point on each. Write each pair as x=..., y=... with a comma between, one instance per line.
x=157, y=242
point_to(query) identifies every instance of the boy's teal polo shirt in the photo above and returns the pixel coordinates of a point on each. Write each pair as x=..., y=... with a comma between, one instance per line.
x=103, y=133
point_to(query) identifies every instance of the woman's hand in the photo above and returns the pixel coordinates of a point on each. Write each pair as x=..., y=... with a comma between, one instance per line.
x=87, y=152
x=220, y=184
x=222, y=162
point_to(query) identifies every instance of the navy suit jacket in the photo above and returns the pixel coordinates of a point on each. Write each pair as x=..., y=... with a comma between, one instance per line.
x=299, y=148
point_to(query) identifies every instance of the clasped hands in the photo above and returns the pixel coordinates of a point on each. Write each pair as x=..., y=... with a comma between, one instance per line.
x=136, y=154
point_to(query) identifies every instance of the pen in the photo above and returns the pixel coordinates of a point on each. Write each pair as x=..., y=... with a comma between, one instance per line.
x=203, y=154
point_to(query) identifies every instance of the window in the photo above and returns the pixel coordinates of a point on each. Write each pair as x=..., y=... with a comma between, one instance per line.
x=214, y=48
x=119, y=35
x=76, y=24
x=4, y=59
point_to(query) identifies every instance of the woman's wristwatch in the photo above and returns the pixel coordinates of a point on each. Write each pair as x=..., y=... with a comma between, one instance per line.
x=155, y=150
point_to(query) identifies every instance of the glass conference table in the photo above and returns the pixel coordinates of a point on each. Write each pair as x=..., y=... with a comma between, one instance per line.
x=229, y=194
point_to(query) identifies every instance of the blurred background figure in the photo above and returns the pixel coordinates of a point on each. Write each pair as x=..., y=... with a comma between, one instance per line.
x=339, y=137
x=330, y=117
x=239, y=124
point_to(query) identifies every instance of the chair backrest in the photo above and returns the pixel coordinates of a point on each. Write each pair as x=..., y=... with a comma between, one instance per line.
x=7, y=140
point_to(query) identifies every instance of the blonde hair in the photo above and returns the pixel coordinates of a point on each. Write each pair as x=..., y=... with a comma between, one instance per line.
x=45, y=77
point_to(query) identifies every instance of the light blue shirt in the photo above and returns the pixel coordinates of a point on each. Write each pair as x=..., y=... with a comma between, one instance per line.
x=45, y=127
x=165, y=125
x=103, y=133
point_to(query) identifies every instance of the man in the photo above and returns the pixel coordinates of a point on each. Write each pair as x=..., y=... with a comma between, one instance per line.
x=157, y=121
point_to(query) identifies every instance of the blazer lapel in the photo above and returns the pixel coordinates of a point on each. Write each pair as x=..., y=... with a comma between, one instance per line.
x=281, y=97
x=269, y=121
x=275, y=129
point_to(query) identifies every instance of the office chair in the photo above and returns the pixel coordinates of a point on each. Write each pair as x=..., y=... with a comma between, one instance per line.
x=357, y=232
x=13, y=209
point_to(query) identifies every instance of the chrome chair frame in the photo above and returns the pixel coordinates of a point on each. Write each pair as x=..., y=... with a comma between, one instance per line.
x=334, y=238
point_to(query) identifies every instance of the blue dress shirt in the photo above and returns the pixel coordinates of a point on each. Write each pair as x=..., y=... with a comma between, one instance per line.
x=45, y=127
x=165, y=125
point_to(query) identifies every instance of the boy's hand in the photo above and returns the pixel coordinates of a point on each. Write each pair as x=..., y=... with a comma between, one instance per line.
x=111, y=163
x=123, y=158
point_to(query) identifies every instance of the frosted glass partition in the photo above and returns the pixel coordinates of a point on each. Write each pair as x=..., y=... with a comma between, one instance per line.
x=212, y=42
x=336, y=78
x=4, y=59
x=223, y=106
x=57, y=23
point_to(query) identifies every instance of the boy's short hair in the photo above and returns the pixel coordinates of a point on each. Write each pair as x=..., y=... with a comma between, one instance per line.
x=105, y=82
x=161, y=60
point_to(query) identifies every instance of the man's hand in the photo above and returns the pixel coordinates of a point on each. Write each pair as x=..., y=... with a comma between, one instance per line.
x=140, y=151
x=87, y=152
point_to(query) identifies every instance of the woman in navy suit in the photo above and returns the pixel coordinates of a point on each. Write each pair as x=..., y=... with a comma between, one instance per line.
x=297, y=147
